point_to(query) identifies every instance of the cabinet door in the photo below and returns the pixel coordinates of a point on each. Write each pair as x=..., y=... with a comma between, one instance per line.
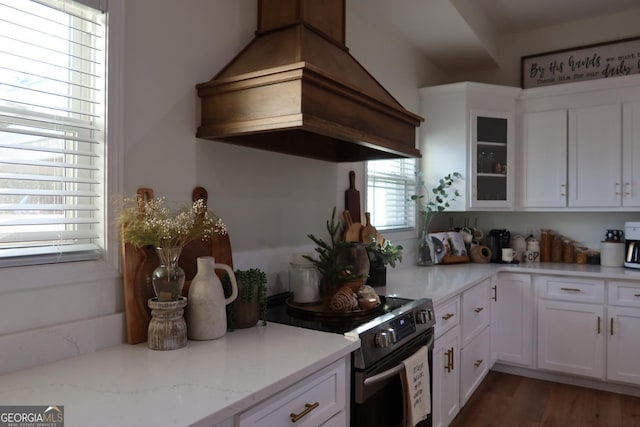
x=623, y=345
x=544, y=159
x=446, y=378
x=474, y=364
x=512, y=319
x=571, y=338
x=492, y=136
x=595, y=156
x=631, y=154
x=475, y=310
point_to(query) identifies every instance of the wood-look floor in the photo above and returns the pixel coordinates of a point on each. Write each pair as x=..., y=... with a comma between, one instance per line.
x=504, y=400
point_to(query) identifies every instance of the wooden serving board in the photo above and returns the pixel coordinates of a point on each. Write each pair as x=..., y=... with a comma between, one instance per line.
x=139, y=263
x=352, y=199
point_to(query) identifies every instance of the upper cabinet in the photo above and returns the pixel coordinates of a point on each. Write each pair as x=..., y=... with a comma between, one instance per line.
x=470, y=128
x=579, y=146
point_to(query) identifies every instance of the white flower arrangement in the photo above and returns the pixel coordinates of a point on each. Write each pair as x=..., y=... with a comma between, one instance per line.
x=150, y=222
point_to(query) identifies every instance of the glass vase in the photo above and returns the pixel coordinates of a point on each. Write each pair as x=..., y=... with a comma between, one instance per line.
x=168, y=278
x=425, y=245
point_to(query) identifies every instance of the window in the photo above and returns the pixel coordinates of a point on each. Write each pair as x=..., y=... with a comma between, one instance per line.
x=390, y=184
x=52, y=128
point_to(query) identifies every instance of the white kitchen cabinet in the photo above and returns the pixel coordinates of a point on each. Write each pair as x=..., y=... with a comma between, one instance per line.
x=590, y=160
x=631, y=154
x=446, y=377
x=476, y=313
x=315, y=400
x=623, y=330
x=543, y=159
x=475, y=347
x=570, y=338
x=571, y=325
x=470, y=128
x=475, y=360
x=595, y=156
x=623, y=344
x=512, y=317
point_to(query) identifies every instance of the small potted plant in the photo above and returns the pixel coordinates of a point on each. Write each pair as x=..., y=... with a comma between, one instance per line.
x=251, y=303
x=382, y=253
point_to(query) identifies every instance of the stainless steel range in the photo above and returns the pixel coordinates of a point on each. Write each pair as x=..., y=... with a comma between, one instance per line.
x=388, y=335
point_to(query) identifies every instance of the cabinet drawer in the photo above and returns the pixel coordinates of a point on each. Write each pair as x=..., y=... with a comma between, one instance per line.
x=475, y=310
x=624, y=293
x=474, y=364
x=571, y=289
x=322, y=395
x=447, y=316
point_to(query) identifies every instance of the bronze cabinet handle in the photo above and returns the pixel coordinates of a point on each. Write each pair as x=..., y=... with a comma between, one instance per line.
x=308, y=407
x=478, y=363
x=570, y=289
x=479, y=309
x=598, y=325
x=448, y=316
x=448, y=365
x=495, y=293
x=612, y=326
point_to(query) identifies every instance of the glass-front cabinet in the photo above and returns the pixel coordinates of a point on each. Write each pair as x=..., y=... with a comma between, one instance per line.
x=470, y=128
x=492, y=155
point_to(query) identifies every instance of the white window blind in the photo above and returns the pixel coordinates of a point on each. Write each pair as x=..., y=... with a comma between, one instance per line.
x=52, y=167
x=390, y=184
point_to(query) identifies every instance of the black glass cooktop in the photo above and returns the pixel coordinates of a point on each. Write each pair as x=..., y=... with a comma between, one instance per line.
x=279, y=312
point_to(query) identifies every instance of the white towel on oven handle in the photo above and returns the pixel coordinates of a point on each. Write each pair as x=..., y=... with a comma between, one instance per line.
x=416, y=387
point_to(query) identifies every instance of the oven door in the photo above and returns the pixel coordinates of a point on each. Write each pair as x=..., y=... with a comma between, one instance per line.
x=377, y=396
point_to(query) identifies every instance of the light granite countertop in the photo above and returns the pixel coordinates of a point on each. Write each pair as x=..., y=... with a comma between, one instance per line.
x=201, y=384
x=442, y=282
x=209, y=381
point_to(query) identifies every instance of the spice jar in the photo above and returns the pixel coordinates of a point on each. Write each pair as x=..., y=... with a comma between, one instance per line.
x=568, y=251
x=556, y=254
x=545, y=245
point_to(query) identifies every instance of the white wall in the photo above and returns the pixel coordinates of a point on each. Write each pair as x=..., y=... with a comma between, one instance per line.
x=269, y=201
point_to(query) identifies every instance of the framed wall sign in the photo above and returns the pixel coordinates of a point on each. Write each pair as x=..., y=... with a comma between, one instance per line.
x=598, y=61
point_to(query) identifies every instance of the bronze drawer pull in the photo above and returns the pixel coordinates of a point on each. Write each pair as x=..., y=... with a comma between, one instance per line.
x=478, y=363
x=448, y=365
x=448, y=316
x=612, y=326
x=571, y=289
x=636, y=295
x=308, y=407
x=479, y=309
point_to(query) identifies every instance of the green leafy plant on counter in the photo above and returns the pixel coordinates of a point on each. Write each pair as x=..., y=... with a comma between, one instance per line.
x=330, y=260
x=382, y=253
x=439, y=198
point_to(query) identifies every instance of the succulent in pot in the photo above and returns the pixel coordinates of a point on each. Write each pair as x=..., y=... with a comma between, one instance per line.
x=251, y=303
x=382, y=253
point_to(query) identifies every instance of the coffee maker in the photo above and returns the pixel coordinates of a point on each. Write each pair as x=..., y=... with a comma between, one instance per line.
x=498, y=240
x=632, y=244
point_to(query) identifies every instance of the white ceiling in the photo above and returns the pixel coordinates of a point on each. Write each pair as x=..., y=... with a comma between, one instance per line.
x=454, y=33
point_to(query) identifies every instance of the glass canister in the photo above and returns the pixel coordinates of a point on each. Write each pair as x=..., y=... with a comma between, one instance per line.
x=304, y=280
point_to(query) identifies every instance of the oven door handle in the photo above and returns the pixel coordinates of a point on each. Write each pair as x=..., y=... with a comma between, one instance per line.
x=391, y=371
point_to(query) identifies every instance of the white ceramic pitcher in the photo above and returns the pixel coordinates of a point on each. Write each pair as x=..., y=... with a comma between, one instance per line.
x=206, y=314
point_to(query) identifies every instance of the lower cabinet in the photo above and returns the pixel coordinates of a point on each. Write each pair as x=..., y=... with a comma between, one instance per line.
x=580, y=334
x=512, y=317
x=446, y=377
x=474, y=364
x=318, y=400
x=570, y=338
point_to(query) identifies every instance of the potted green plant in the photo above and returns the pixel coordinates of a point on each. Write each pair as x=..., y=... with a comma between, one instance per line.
x=333, y=260
x=251, y=303
x=382, y=253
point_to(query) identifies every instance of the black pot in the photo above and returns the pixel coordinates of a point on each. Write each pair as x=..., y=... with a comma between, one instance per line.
x=377, y=276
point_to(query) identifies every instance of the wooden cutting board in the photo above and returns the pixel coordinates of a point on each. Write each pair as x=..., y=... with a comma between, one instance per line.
x=368, y=232
x=139, y=263
x=352, y=199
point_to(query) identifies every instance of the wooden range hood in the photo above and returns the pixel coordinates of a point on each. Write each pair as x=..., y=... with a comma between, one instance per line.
x=295, y=89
